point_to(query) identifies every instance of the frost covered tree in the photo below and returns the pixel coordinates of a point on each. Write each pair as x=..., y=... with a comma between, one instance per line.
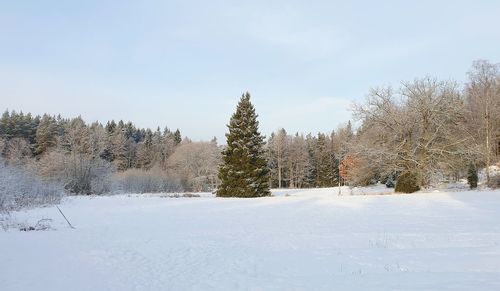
x=20, y=187
x=145, y=154
x=341, y=142
x=298, y=161
x=306, y=162
x=417, y=129
x=278, y=146
x=244, y=171
x=84, y=156
x=46, y=134
x=196, y=163
x=17, y=151
x=120, y=149
x=483, y=100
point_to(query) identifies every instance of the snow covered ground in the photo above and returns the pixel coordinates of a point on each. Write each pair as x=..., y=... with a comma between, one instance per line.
x=297, y=240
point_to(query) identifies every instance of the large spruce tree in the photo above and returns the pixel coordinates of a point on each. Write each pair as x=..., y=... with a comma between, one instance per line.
x=244, y=172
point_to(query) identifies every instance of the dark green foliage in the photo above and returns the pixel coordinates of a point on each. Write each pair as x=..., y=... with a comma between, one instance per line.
x=244, y=172
x=407, y=183
x=111, y=126
x=325, y=163
x=5, y=125
x=472, y=177
x=18, y=125
x=177, y=137
x=107, y=155
x=390, y=183
x=389, y=180
x=312, y=162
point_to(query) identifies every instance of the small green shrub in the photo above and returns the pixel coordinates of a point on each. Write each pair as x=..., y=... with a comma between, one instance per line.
x=472, y=176
x=407, y=183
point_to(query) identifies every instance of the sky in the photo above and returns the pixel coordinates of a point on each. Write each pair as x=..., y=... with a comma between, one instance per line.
x=184, y=64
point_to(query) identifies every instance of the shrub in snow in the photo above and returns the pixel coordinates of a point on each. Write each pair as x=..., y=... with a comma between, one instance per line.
x=472, y=177
x=21, y=188
x=79, y=173
x=390, y=183
x=185, y=195
x=390, y=180
x=141, y=181
x=42, y=224
x=407, y=183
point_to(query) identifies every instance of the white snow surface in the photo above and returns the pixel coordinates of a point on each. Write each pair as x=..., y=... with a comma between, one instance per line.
x=296, y=240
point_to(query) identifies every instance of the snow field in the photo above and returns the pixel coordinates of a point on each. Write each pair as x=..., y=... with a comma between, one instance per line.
x=297, y=240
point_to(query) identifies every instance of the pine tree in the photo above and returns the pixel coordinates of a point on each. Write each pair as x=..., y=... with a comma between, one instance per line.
x=35, y=122
x=472, y=177
x=244, y=172
x=46, y=134
x=325, y=171
x=312, y=164
x=111, y=126
x=119, y=149
x=177, y=137
x=5, y=131
x=145, y=153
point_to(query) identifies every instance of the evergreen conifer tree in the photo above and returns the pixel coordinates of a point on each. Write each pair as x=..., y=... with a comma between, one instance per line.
x=118, y=146
x=145, y=151
x=244, y=172
x=5, y=131
x=46, y=134
x=325, y=170
x=472, y=177
x=177, y=137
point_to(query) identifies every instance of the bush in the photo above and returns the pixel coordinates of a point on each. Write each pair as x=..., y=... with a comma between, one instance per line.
x=390, y=183
x=472, y=177
x=79, y=173
x=390, y=180
x=20, y=188
x=407, y=183
x=141, y=181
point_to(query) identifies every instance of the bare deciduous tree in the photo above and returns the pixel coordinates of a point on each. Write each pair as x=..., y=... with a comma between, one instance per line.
x=419, y=129
x=197, y=163
x=483, y=97
x=298, y=161
x=278, y=146
x=18, y=151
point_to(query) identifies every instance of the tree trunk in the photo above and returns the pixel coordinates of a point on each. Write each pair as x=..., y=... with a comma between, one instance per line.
x=487, y=120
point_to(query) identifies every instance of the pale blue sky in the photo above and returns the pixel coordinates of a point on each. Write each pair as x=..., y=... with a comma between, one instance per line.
x=185, y=63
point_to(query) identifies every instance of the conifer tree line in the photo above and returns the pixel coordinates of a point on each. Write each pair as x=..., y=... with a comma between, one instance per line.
x=298, y=161
x=95, y=158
